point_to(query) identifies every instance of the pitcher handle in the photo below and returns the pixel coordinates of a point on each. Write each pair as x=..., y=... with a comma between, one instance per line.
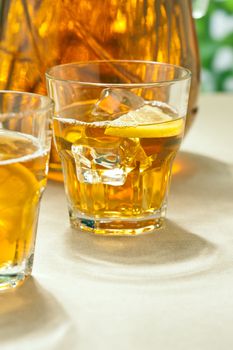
x=199, y=8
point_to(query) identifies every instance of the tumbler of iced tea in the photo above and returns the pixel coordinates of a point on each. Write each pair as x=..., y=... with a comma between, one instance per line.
x=118, y=126
x=25, y=135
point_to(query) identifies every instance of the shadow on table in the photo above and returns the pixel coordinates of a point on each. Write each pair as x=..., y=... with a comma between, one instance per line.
x=199, y=176
x=33, y=315
x=171, y=252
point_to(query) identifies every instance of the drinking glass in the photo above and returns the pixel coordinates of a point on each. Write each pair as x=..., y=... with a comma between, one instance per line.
x=25, y=135
x=118, y=125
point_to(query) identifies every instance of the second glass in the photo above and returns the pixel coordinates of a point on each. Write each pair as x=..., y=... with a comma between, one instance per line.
x=25, y=136
x=118, y=126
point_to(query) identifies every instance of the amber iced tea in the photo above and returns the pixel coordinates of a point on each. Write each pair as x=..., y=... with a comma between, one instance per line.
x=22, y=180
x=118, y=171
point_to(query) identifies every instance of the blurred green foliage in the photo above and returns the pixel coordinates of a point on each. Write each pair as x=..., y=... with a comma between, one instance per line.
x=215, y=35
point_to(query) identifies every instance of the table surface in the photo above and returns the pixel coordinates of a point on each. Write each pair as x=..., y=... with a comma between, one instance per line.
x=172, y=289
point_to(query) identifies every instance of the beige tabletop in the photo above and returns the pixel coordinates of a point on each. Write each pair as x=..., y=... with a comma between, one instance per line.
x=172, y=289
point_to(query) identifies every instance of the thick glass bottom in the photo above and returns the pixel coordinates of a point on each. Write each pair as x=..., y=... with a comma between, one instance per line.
x=118, y=226
x=12, y=276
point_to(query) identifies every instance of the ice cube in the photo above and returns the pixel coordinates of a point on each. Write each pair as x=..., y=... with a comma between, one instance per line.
x=98, y=165
x=105, y=158
x=113, y=102
x=134, y=154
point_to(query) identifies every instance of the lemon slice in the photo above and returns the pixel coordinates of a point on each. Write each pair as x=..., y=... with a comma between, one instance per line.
x=17, y=183
x=146, y=122
x=19, y=191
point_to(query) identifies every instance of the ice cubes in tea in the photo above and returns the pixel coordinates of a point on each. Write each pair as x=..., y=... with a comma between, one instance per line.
x=114, y=102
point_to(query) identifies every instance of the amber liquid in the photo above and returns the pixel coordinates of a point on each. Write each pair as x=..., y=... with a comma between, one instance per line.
x=22, y=180
x=115, y=173
x=35, y=35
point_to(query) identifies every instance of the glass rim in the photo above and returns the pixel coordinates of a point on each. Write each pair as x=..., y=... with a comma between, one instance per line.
x=187, y=75
x=48, y=103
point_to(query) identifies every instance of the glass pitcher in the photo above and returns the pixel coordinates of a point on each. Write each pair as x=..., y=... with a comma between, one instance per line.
x=37, y=34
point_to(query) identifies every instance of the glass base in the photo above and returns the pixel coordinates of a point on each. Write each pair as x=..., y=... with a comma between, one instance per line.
x=118, y=226
x=13, y=276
